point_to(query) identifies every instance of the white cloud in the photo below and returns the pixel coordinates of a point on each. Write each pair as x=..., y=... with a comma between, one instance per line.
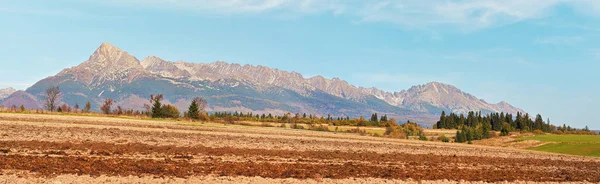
x=464, y=14
x=559, y=40
x=468, y=14
x=227, y=7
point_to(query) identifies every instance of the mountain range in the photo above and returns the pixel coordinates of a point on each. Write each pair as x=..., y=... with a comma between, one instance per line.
x=113, y=73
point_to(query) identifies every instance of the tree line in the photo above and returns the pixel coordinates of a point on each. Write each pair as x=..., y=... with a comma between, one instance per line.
x=196, y=110
x=475, y=126
x=375, y=119
x=156, y=109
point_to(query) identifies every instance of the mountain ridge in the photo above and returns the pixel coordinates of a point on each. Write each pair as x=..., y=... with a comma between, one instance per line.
x=113, y=73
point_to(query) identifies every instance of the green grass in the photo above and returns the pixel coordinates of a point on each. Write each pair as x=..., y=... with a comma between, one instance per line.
x=571, y=149
x=371, y=130
x=565, y=138
x=584, y=145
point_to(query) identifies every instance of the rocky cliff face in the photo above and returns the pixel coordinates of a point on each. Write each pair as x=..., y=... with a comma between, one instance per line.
x=113, y=73
x=6, y=92
x=163, y=68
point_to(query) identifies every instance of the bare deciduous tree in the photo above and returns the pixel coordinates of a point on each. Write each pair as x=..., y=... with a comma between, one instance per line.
x=88, y=107
x=201, y=103
x=52, y=97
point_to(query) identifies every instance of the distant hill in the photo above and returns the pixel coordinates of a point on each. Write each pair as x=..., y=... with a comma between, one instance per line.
x=112, y=73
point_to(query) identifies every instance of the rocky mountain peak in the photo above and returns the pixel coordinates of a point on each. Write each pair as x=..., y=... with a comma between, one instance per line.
x=111, y=56
x=502, y=103
x=163, y=68
x=107, y=47
x=152, y=61
x=6, y=92
x=107, y=64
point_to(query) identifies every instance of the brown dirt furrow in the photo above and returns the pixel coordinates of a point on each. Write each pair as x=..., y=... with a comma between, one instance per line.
x=108, y=149
x=24, y=132
x=52, y=166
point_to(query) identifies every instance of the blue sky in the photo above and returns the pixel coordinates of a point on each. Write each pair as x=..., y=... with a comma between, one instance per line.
x=539, y=55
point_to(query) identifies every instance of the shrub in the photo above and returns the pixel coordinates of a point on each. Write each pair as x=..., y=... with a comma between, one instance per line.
x=203, y=116
x=422, y=137
x=357, y=130
x=443, y=138
x=170, y=111
x=266, y=124
x=538, y=132
x=403, y=131
x=504, y=132
x=296, y=126
x=321, y=128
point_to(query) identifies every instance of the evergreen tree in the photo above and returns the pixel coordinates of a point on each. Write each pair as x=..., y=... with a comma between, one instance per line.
x=485, y=134
x=538, y=124
x=384, y=118
x=442, y=123
x=504, y=131
x=459, y=137
x=156, y=106
x=373, y=117
x=193, y=111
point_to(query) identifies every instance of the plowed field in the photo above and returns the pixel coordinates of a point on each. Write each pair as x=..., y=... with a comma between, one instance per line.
x=74, y=149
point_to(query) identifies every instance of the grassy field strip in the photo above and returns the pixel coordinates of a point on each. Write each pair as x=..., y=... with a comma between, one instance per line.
x=584, y=145
x=571, y=149
x=370, y=140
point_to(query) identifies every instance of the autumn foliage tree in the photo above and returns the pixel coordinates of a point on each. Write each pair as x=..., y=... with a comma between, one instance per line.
x=169, y=111
x=394, y=130
x=107, y=106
